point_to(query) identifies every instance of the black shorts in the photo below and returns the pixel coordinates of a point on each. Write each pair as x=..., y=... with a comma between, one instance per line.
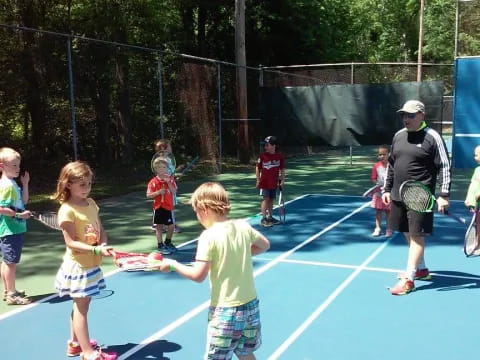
x=162, y=216
x=408, y=221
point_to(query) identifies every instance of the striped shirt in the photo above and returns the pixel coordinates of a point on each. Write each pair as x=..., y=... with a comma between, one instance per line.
x=420, y=155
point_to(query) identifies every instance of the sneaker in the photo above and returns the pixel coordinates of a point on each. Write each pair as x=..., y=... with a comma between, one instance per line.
x=265, y=222
x=17, y=299
x=171, y=247
x=403, y=287
x=376, y=232
x=163, y=249
x=19, y=292
x=420, y=274
x=274, y=221
x=388, y=233
x=423, y=274
x=100, y=355
x=74, y=349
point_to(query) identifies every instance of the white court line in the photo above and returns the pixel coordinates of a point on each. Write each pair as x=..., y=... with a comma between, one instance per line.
x=195, y=311
x=110, y=273
x=367, y=268
x=280, y=350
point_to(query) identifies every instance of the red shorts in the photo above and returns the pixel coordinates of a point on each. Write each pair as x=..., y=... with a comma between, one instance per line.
x=378, y=204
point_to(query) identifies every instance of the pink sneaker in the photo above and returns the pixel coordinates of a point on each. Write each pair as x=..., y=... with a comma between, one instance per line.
x=100, y=355
x=74, y=349
x=403, y=287
x=388, y=233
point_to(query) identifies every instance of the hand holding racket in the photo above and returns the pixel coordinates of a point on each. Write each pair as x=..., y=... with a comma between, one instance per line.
x=47, y=218
x=418, y=197
x=130, y=261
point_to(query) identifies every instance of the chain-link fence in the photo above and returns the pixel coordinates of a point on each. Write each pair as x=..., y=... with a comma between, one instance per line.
x=64, y=97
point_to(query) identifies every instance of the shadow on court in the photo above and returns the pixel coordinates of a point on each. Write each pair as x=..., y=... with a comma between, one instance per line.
x=451, y=281
x=155, y=350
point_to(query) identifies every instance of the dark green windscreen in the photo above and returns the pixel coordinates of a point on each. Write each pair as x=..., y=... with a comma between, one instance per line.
x=344, y=115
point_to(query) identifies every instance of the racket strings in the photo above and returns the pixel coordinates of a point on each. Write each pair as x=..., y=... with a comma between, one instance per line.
x=471, y=239
x=49, y=219
x=416, y=198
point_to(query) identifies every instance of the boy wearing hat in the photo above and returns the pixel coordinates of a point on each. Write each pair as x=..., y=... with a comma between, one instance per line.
x=270, y=173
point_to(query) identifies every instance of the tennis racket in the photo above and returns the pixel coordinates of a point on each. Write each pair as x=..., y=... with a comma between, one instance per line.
x=47, y=218
x=418, y=197
x=373, y=190
x=471, y=243
x=188, y=167
x=168, y=157
x=131, y=261
x=281, y=205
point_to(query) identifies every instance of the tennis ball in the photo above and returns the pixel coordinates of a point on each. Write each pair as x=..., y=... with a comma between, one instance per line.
x=156, y=256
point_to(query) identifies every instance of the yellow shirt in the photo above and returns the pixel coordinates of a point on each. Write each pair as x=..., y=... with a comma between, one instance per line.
x=87, y=230
x=227, y=247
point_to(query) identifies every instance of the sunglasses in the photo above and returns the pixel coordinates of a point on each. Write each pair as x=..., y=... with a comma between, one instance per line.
x=409, y=115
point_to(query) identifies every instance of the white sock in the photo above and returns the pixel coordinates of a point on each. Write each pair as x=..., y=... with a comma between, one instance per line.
x=410, y=274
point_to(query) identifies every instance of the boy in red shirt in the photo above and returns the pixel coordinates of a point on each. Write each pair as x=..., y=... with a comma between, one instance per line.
x=162, y=189
x=270, y=173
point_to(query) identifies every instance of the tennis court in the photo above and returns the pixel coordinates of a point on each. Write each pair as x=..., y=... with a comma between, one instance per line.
x=323, y=292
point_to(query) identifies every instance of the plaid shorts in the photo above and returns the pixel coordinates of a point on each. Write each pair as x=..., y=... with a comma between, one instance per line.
x=233, y=330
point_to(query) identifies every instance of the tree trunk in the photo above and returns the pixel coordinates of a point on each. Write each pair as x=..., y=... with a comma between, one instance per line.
x=124, y=116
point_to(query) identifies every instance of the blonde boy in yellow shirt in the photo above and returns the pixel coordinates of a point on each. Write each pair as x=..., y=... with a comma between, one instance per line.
x=225, y=252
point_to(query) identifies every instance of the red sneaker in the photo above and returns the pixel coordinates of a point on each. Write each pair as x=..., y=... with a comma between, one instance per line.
x=420, y=274
x=403, y=287
x=423, y=274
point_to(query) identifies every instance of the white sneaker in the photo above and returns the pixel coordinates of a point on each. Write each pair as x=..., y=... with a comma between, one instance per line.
x=376, y=232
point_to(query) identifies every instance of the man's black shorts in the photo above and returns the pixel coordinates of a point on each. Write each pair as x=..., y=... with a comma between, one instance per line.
x=408, y=221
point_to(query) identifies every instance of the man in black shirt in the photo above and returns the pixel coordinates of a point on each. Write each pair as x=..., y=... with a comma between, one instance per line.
x=417, y=153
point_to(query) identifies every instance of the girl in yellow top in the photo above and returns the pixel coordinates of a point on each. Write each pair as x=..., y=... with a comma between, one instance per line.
x=225, y=252
x=80, y=275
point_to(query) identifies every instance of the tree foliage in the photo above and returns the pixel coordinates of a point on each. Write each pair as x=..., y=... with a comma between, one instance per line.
x=116, y=89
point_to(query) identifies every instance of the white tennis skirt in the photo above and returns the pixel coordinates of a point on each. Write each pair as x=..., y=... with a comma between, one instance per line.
x=76, y=281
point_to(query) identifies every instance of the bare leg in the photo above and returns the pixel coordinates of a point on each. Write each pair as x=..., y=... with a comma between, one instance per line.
x=416, y=250
x=8, y=276
x=170, y=229
x=264, y=206
x=378, y=219
x=158, y=233
x=80, y=324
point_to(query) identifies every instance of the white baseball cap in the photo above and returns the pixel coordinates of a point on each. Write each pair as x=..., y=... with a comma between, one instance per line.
x=412, y=107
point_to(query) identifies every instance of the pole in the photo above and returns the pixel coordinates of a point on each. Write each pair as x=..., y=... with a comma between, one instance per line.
x=219, y=109
x=72, y=99
x=240, y=56
x=420, y=42
x=160, y=93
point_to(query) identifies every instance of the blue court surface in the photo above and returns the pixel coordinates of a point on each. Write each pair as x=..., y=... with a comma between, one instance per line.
x=323, y=295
